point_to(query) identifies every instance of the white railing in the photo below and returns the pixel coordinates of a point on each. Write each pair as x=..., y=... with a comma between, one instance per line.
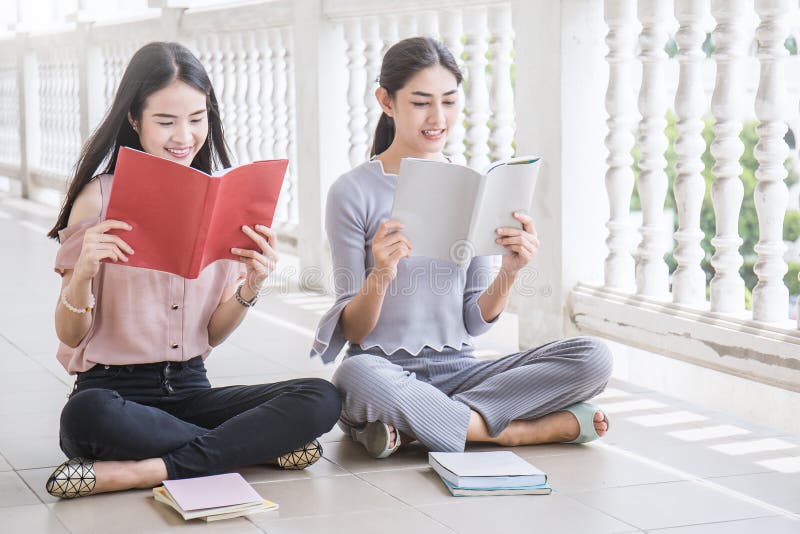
x=75, y=70
x=296, y=79
x=472, y=30
x=711, y=328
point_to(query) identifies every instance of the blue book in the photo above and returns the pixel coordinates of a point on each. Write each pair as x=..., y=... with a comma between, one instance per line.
x=542, y=489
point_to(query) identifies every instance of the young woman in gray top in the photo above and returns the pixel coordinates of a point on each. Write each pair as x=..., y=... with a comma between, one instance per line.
x=409, y=320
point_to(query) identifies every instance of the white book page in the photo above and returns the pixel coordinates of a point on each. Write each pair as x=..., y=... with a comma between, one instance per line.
x=435, y=201
x=506, y=189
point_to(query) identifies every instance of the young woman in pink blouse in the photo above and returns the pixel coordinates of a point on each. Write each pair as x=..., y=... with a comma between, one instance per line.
x=142, y=409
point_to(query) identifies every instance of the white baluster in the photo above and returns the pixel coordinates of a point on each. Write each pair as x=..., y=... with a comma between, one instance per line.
x=652, y=273
x=390, y=33
x=428, y=24
x=280, y=107
x=408, y=26
x=731, y=38
x=452, y=31
x=254, y=111
x=290, y=186
x=217, y=75
x=770, y=296
x=477, y=103
x=229, y=110
x=357, y=111
x=265, y=149
x=620, y=15
x=240, y=97
x=501, y=43
x=373, y=42
x=689, y=279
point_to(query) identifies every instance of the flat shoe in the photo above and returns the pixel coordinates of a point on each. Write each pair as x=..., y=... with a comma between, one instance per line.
x=584, y=413
x=376, y=437
x=302, y=457
x=74, y=478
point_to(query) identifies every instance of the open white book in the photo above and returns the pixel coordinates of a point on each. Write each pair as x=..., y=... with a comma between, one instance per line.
x=451, y=212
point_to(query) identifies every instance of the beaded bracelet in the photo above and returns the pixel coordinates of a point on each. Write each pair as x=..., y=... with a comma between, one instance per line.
x=240, y=299
x=73, y=309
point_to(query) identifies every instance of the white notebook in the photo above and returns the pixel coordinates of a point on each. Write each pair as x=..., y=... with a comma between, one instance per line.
x=486, y=470
x=451, y=212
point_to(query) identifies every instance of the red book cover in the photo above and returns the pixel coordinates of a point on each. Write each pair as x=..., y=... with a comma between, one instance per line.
x=182, y=218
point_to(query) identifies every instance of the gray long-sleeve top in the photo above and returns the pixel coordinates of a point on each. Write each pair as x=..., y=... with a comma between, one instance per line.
x=431, y=303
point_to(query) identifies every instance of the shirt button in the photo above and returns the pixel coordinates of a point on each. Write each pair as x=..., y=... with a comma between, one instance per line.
x=174, y=306
x=174, y=345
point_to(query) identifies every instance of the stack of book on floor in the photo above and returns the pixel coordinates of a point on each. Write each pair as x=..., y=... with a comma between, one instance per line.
x=488, y=473
x=212, y=498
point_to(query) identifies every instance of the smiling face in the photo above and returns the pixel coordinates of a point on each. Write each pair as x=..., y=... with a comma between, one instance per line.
x=174, y=123
x=423, y=110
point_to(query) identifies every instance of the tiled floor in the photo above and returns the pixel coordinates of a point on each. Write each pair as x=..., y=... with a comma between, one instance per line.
x=665, y=467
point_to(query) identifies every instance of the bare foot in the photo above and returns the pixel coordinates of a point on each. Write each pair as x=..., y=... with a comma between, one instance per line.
x=557, y=427
x=118, y=476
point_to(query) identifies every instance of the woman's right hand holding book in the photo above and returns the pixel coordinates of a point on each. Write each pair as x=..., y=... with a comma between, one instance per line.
x=389, y=246
x=98, y=246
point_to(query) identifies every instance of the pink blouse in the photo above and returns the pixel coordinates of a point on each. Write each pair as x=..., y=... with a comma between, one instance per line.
x=141, y=315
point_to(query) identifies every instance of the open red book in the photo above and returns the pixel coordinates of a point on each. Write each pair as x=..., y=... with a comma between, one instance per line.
x=182, y=218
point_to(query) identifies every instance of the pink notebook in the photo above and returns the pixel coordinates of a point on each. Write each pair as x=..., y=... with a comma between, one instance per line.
x=215, y=491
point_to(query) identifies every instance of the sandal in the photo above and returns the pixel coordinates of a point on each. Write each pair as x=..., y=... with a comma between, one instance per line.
x=584, y=413
x=375, y=437
x=74, y=478
x=301, y=458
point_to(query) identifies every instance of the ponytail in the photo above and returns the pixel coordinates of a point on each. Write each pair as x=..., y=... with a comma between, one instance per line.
x=384, y=135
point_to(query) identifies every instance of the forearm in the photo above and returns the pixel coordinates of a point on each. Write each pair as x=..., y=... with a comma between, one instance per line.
x=494, y=299
x=72, y=327
x=228, y=316
x=361, y=314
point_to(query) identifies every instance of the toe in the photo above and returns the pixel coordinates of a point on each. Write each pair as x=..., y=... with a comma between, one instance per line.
x=600, y=423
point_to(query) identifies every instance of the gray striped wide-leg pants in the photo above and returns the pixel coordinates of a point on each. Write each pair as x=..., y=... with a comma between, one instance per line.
x=430, y=395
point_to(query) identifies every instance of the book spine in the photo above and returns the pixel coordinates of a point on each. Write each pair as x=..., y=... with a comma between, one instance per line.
x=198, y=251
x=476, y=210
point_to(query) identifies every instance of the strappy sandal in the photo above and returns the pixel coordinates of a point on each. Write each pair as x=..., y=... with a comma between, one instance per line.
x=301, y=458
x=584, y=413
x=376, y=437
x=74, y=478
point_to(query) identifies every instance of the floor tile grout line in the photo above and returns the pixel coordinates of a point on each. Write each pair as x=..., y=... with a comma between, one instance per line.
x=407, y=504
x=701, y=481
x=604, y=512
x=730, y=521
x=46, y=505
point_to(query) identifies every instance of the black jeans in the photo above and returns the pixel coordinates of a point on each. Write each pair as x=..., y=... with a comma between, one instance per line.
x=169, y=410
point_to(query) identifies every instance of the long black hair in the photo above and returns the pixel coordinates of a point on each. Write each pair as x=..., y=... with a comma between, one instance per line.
x=400, y=63
x=152, y=67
